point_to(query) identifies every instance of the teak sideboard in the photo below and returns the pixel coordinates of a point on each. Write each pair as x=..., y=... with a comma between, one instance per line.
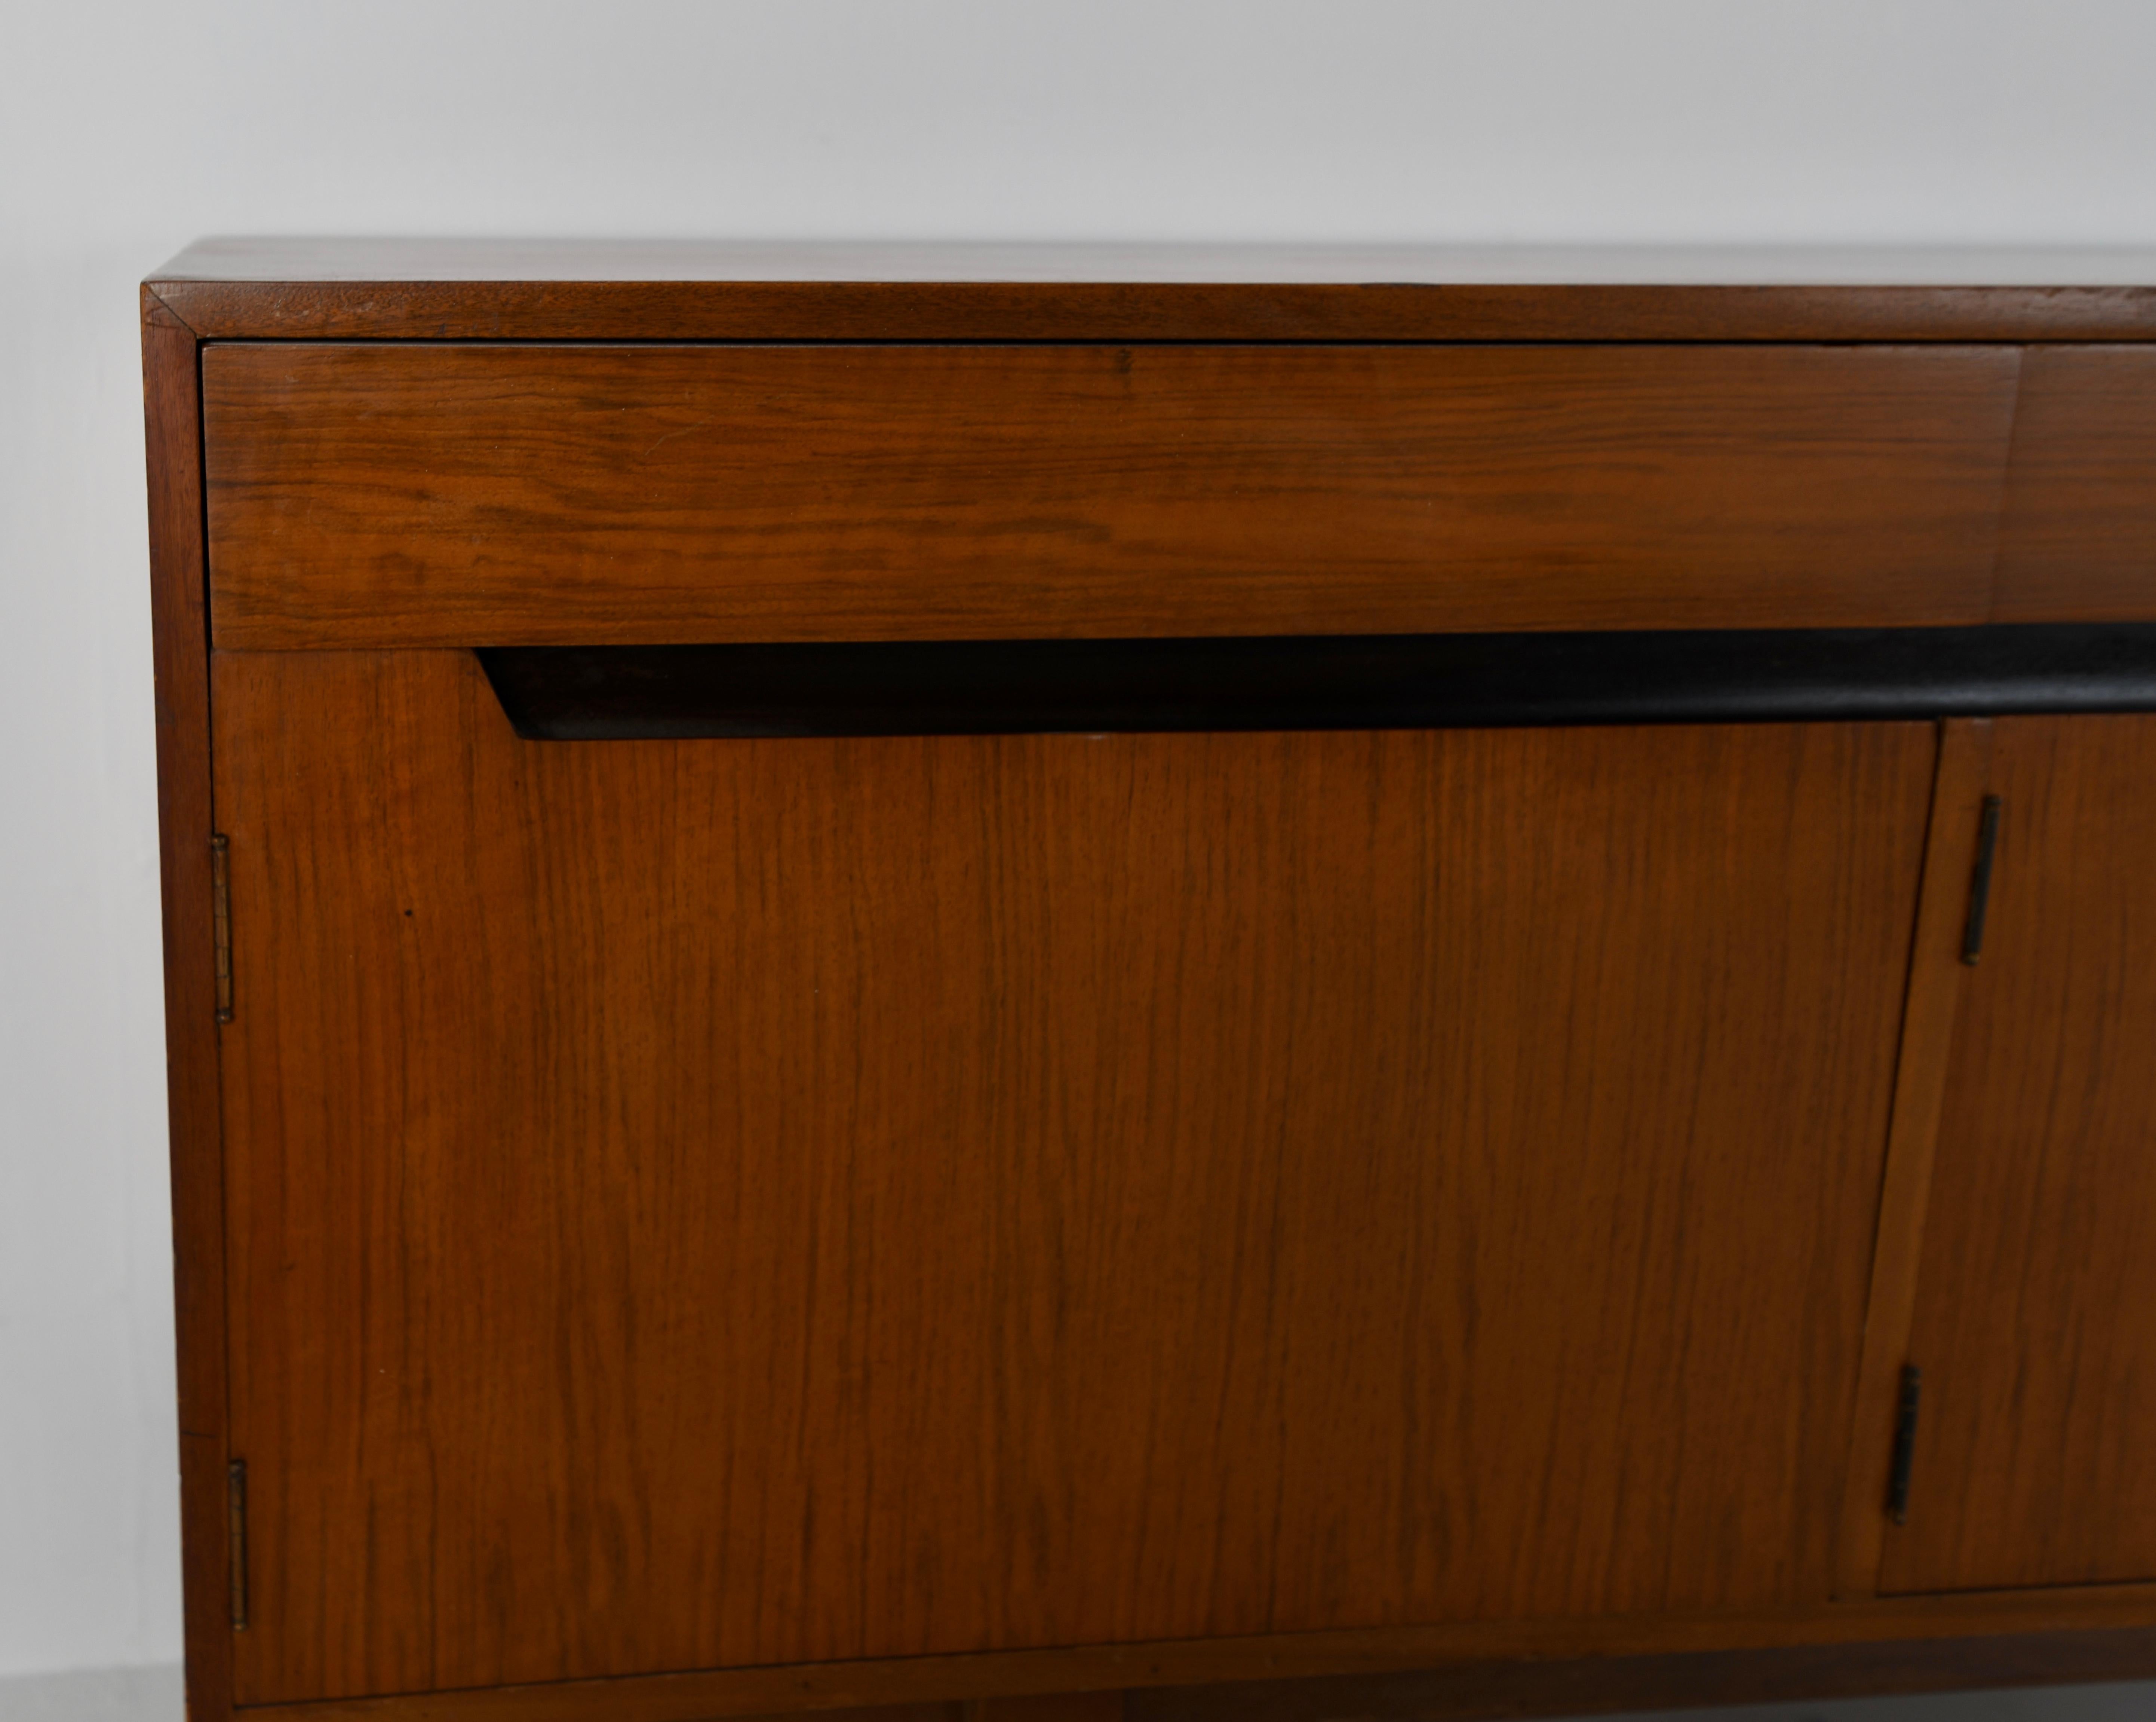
x=1051, y=985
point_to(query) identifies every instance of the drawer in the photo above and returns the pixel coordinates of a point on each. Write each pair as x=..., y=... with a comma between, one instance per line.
x=382, y=495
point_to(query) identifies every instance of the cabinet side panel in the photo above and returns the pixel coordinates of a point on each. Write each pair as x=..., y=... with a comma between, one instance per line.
x=180, y=641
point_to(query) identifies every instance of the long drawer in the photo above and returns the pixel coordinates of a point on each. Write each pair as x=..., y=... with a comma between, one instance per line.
x=411, y=495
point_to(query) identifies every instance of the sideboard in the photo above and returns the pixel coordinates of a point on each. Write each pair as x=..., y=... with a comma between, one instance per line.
x=1054, y=985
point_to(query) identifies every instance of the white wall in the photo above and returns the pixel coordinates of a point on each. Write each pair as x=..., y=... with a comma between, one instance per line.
x=127, y=129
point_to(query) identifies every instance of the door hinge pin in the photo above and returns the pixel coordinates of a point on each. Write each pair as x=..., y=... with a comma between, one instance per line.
x=1979, y=880
x=220, y=891
x=235, y=1499
x=1905, y=1444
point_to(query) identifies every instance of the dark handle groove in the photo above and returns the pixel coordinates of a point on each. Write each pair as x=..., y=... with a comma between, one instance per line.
x=1979, y=882
x=1397, y=682
x=1905, y=1444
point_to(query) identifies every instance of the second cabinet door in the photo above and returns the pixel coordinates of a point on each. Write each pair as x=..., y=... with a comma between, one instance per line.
x=2035, y=1325
x=723, y=1203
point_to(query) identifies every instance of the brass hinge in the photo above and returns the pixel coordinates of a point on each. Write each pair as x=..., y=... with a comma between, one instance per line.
x=220, y=892
x=1905, y=1443
x=235, y=1508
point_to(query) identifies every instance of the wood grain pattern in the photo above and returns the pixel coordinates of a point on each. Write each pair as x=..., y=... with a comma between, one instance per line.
x=894, y=1203
x=2060, y=1635
x=2035, y=1323
x=180, y=639
x=373, y=495
x=2078, y=540
x=1920, y=1082
x=573, y=291
x=709, y=1204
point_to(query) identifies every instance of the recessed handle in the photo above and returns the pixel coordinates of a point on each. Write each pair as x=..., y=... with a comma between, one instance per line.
x=1317, y=682
x=1979, y=882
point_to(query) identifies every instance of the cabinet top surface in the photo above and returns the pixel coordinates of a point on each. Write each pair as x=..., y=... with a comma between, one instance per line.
x=502, y=261
x=688, y=290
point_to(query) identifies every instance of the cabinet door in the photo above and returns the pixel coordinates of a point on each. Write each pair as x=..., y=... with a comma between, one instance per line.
x=2035, y=1322
x=710, y=1204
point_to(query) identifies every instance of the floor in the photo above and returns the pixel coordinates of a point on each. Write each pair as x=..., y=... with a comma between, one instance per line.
x=153, y=1695
x=106, y=1695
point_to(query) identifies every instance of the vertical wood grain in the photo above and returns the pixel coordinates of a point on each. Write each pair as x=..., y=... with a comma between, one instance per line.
x=2035, y=1314
x=1934, y=991
x=719, y=1204
x=180, y=635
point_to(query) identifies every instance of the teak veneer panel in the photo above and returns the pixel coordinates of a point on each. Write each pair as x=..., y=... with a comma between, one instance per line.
x=387, y=495
x=2078, y=543
x=2035, y=1322
x=710, y=1205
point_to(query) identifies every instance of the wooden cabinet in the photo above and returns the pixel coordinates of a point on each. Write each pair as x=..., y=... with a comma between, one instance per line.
x=1386, y=1118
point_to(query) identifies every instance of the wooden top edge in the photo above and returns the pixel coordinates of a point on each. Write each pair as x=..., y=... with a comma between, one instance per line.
x=657, y=290
x=511, y=260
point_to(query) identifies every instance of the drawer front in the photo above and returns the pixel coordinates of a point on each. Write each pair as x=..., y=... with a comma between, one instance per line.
x=386, y=496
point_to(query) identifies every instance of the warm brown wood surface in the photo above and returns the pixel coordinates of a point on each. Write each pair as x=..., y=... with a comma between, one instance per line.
x=1218, y=1369
x=571, y=290
x=2035, y=1323
x=2059, y=1635
x=180, y=639
x=2078, y=543
x=402, y=495
x=1061, y=1707
x=1920, y=1081
x=718, y=1204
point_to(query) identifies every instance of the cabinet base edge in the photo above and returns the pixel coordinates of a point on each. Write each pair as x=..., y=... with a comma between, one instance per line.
x=1511, y=1668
